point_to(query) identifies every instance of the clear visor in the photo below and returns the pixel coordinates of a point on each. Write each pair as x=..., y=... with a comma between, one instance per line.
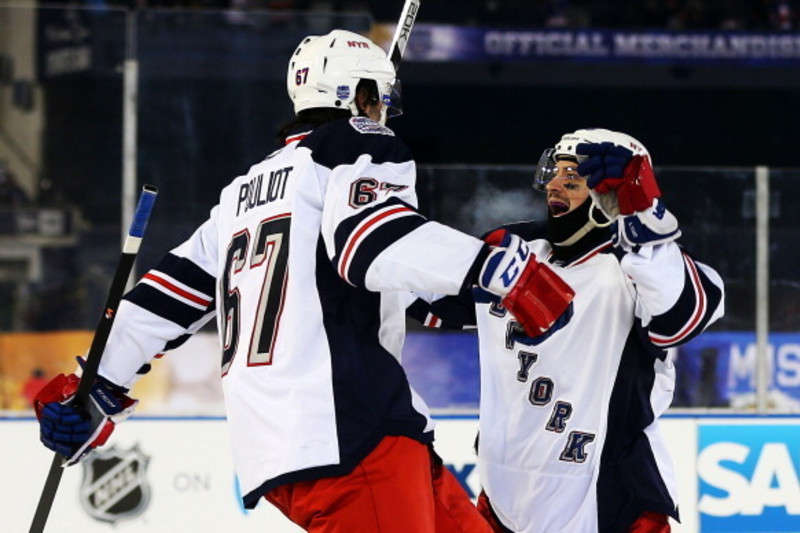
x=547, y=170
x=391, y=96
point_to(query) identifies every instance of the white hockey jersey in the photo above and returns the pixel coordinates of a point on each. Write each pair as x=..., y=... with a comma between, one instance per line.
x=569, y=438
x=306, y=262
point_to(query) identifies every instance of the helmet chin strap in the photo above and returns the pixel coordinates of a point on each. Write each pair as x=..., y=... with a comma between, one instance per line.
x=590, y=224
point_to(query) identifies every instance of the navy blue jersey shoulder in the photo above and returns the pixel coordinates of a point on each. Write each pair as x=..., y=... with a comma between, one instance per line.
x=528, y=230
x=617, y=251
x=339, y=143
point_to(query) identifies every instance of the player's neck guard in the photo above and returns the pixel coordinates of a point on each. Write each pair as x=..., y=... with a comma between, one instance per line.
x=567, y=230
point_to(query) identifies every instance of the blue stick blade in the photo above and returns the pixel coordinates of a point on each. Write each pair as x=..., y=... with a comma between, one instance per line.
x=143, y=210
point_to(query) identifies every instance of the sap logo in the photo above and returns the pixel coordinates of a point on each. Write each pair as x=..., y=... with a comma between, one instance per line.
x=748, y=478
x=462, y=474
x=773, y=482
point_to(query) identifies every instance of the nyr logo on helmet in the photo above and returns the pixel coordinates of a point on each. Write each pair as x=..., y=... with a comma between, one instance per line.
x=114, y=485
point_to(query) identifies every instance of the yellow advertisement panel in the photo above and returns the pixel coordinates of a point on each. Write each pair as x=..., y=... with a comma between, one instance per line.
x=29, y=360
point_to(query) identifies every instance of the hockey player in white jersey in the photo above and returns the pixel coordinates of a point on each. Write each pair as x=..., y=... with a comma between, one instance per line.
x=569, y=438
x=306, y=262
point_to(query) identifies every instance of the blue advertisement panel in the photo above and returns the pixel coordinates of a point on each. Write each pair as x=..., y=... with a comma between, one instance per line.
x=434, y=42
x=748, y=478
x=444, y=368
x=719, y=369
x=716, y=369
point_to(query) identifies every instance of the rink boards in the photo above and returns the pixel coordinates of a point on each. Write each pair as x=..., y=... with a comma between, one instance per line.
x=736, y=474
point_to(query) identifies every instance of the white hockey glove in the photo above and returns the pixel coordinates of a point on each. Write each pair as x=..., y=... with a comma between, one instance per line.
x=73, y=429
x=536, y=296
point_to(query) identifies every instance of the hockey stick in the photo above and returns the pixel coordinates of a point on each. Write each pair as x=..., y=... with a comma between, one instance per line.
x=129, y=250
x=403, y=32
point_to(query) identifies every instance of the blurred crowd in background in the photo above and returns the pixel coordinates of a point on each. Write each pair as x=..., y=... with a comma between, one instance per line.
x=11, y=194
x=753, y=15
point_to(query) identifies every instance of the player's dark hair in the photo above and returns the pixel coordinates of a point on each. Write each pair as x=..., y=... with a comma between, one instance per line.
x=310, y=118
x=321, y=115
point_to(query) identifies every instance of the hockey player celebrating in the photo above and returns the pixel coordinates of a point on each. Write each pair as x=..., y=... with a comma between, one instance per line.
x=306, y=262
x=569, y=435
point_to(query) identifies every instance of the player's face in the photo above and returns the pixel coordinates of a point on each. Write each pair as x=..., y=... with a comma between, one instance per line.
x=375, y=111
x=372, y=108
x=567, y=190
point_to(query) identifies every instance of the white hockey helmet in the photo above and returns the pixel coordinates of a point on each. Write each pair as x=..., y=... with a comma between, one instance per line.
x=325, y=70
x=564, y=149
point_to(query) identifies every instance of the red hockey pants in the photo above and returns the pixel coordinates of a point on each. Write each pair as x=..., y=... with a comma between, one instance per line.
x=397, y=488
x=648, y=521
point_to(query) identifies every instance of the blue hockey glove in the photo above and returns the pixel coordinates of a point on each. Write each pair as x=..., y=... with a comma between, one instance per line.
x=604, y=166
x=73, y=429
x=620, y=183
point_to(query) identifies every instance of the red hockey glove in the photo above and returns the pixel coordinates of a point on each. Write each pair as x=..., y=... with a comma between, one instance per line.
x=639, y=187
x=531, y=291
x=74, y=429
x=611, y=169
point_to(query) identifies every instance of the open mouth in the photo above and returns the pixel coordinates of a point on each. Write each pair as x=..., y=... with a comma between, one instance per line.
x=557, y=207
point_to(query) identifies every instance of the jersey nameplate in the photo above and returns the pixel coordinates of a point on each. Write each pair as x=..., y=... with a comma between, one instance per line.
x=262, y=189
x=367, y=125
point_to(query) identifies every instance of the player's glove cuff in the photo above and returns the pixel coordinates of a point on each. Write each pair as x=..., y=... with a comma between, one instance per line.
x=649, y=227
x=504, y=265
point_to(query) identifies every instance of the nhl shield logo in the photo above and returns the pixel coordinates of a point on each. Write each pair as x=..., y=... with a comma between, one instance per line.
x=114, y=485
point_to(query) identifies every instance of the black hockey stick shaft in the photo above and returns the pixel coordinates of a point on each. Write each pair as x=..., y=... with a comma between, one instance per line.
x=403, y=32
x=129, y=250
